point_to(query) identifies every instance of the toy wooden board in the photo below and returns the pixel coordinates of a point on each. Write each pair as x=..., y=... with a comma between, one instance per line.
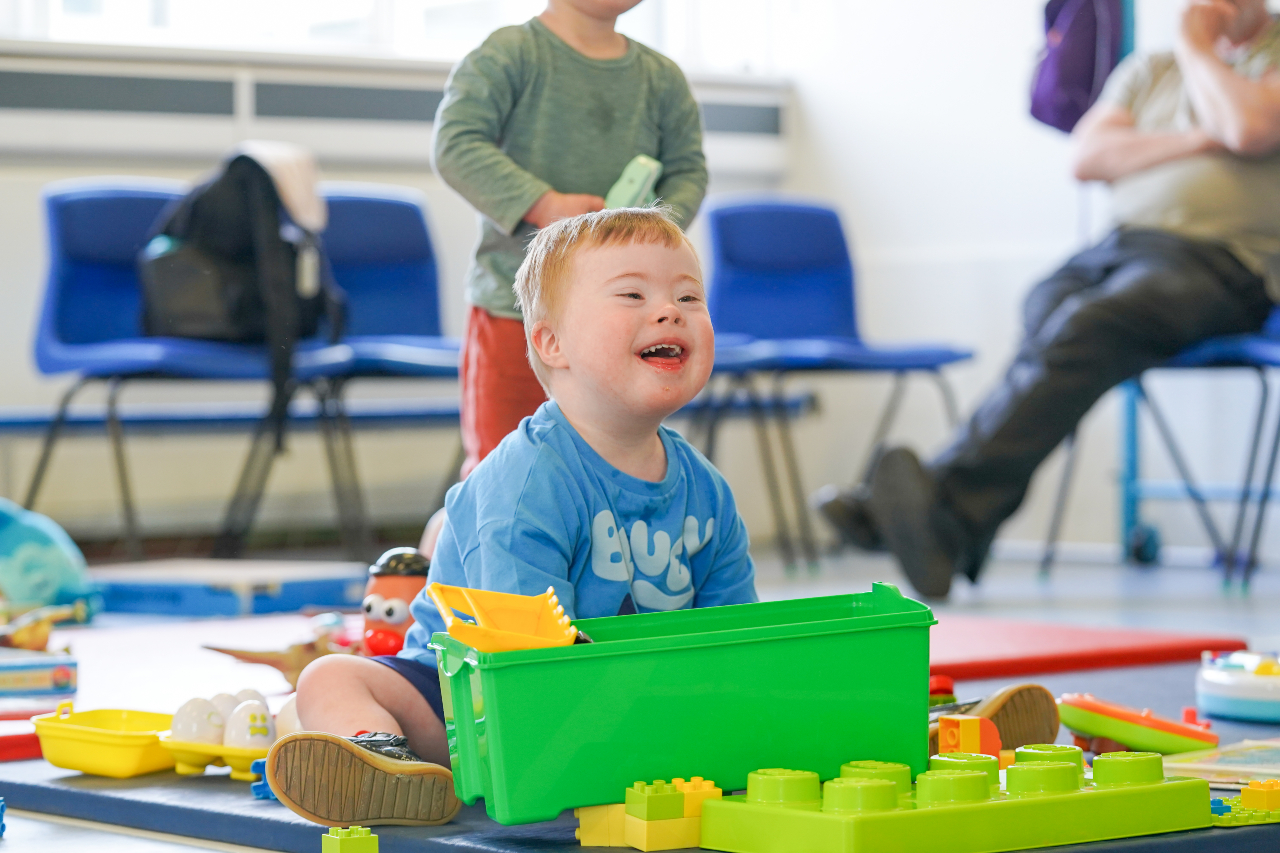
x=968, y=647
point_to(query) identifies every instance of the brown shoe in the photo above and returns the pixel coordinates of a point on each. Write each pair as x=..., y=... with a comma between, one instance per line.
x=337, y=782
x=1023, y=713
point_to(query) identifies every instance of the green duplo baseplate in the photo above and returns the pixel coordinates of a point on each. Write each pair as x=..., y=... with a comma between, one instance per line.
x=955, y=809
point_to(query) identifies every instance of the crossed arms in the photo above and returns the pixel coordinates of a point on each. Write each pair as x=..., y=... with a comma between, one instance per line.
x=1236, y=114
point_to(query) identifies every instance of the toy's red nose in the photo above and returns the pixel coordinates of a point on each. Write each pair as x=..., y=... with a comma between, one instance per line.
x=379, y=642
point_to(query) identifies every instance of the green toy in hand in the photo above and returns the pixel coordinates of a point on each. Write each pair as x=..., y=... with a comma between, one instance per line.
x=635, y=187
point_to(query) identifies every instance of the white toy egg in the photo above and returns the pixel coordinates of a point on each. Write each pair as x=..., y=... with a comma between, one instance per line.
x=225, y=703
x=287, y=721
x=250, y=726
x=250, y=694
x=198, y=721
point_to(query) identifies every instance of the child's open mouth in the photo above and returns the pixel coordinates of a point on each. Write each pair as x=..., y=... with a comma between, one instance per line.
x=664, y=355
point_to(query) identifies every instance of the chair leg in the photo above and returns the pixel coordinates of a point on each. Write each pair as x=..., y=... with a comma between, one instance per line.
x=948, y=397
x=1059, y=506
x=1251, y=559
x=50, y=439
x=807, y=542
x=1175, y=453
x=717, y=405
x=887, y=416
x=1242, y=509
x=770, y=472
x=698, y=420
x=243, y=506
x=335, y=431
x=133, y=542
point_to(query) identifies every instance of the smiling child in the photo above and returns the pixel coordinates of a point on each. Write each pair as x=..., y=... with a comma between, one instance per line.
x=592, y=495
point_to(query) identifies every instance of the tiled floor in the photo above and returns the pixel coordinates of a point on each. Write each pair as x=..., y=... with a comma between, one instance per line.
x=1172, y=598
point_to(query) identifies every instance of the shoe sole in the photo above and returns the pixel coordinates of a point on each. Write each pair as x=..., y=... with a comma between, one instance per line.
x=331, y=781
x=1023, y=714
x=927, y=568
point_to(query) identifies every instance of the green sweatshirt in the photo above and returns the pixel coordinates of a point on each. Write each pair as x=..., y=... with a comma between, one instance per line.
x=525, y=113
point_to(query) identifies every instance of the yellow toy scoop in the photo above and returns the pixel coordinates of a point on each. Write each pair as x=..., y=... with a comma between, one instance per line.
x=504, y=622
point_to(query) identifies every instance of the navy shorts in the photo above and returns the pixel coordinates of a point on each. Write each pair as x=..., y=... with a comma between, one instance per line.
x=425, y=679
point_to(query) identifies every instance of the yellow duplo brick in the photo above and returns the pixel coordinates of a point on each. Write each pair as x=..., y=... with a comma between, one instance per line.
x=601, y=826
x=675, y=834
x=1263, y=796
x=695, y=791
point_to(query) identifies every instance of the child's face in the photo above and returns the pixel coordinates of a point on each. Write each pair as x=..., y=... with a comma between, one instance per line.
x=633, y=332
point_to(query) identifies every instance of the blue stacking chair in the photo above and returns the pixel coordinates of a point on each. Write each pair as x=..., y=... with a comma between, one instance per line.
x=1258, y=353
x=782, y=300
x=90, y=325
x=380, y=249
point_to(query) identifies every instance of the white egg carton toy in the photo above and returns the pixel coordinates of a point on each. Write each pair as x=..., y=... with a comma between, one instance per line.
x=223, y=731
x=1239, y=685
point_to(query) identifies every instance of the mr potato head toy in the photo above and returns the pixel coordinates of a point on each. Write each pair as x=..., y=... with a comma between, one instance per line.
x=394, y=581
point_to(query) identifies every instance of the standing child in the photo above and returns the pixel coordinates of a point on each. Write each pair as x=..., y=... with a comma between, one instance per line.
x=536, y=125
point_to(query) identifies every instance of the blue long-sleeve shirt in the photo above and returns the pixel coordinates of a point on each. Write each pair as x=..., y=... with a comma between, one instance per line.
x=544, y=509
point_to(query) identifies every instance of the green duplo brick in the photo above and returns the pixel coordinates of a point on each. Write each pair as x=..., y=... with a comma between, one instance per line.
x=356, y=839
x=658, y=801
x=954, y=809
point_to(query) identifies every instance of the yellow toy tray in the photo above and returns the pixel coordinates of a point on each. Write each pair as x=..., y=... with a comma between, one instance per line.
x=504, y=622
x=191, y=759
x=108, y=742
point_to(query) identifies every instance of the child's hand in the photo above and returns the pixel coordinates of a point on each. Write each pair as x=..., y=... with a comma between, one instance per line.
x=553, y=205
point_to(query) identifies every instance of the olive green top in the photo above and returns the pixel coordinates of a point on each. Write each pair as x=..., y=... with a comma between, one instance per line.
x=525, y=113
x=1218, y=196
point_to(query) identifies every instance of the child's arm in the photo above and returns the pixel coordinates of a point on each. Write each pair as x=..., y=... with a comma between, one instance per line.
x=478, y=97
x=684, y=168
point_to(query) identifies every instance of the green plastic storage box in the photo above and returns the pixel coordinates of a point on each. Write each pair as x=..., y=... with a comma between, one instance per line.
x=716, y=692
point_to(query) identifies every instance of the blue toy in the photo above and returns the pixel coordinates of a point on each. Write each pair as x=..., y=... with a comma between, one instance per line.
x=39, y=564
x=1239, y=685
x=260, y=789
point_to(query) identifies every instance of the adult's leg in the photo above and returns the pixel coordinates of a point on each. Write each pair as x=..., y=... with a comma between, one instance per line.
x=1160, y=295
x=499, y=388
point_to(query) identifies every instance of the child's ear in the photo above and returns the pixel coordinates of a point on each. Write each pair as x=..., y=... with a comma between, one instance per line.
x=546, y=343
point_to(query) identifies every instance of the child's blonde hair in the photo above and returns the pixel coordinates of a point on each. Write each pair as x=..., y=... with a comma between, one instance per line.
x=541, y=279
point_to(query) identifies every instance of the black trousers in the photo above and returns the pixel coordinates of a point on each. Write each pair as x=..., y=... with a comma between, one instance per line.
x=1114, y=310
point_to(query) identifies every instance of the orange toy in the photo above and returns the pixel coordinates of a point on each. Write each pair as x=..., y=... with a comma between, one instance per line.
x=504, y=622
x=394, y=581
x=968, y=733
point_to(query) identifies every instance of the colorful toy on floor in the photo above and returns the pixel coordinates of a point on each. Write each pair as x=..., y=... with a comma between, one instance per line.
x=204, y=734
x=942, y=690
x=1089, y=718
x=394, y=581
x=109, y=742
x=1259, y=802
x=31, y=630
x=2, y=809
x=503, y=622
x=354, y=839
x=26, y=673
x=1239, y=686
x=331, y=638
x=1042, y=803
x=39, y=564
x=967, y=733
x=601, y=826
x=260, y=789
x=665, y=816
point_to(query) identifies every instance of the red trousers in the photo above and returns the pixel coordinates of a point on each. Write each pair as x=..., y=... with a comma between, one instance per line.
x=499, y=387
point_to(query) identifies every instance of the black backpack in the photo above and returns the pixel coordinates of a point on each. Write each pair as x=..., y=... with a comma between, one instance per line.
x=226, y=263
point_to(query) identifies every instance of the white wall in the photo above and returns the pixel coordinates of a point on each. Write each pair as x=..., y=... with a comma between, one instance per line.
x=910, y=117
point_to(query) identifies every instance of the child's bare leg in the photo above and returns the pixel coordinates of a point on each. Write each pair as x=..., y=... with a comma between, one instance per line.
x=345, y=694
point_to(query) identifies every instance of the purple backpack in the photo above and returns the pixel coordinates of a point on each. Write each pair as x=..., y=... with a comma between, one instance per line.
x=1082, y=44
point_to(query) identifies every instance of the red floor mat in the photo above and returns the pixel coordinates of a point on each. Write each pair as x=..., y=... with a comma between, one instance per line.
x=970, y=647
